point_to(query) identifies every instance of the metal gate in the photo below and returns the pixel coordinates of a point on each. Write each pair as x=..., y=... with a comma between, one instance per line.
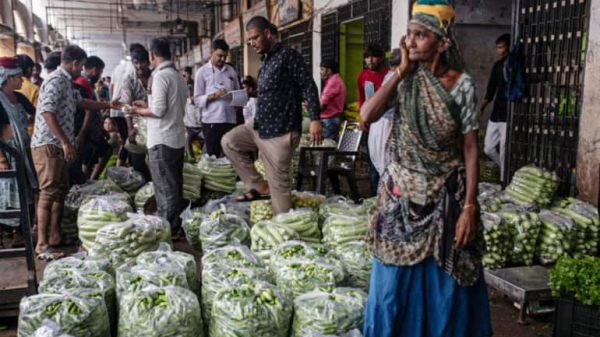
x=330, y=38
x=543, y=127
x=299, y=37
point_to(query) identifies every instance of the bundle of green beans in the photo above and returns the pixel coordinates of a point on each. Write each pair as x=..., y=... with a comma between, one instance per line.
x=222, y=231
x=268, y=234
x=217, y=174
x=160, y=312
x=128, y=179
x=77, y=316
x=79, y=261
x=237, y=256
x=525, y=228
x=339, y=205
x=304, y=221
x=498, y=240
x=356, y=260
x=260, y=210
x=307, y=200
x=533, y=185
x=97, y=213
x=329, y=312
x=191, y=220
x=586, y=221
x=216, y=279
x=168, y=258
x=192, y=182
x=300, y=276
x=134, y=278
x=142, y=195
x=258, y=309
x=556, y=237
x=339, y=229
x=292, y=250
x=124, y=241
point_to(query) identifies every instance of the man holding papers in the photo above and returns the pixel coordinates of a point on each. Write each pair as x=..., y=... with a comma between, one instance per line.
x=213, y=81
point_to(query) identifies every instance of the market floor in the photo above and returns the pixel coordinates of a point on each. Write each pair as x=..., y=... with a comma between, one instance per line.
x=504, y=314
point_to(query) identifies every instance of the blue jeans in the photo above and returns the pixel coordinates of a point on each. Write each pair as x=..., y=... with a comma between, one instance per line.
x=331, y=127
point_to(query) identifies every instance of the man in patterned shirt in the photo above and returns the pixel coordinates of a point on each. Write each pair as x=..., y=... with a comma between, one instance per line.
x=52, y=144
x=284, y=82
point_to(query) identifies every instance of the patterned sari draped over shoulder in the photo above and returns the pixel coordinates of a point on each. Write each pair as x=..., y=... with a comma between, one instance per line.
x=426, y=177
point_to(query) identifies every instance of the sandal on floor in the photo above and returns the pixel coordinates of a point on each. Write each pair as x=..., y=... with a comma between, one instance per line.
x=50, y=253
x=254, y=195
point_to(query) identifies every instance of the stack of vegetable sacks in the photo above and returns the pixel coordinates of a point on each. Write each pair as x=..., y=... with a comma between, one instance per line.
x=525, y=228
x=191, y=220
x=357, y=261
x=98, y=212
x=260, y=210
x=168, y=258
x=136, y=278
x=489, y=197
x=217, y=174
x=222, y=231
x=308, y=200
x=127, y=179
x=556, y=236
x=339, y=229
x=329, y=312
x=586, y=224
x=192, y=182
x=257, y=309
x=160, y=311
x=268, y=234
x=498, y=240
x=304, y=221
x=123, y=242
x=236, y=256
x=142, y=195
x=533, y=185
x=80, y=261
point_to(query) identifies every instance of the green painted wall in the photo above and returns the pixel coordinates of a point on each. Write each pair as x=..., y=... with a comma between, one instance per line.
x=351, y=55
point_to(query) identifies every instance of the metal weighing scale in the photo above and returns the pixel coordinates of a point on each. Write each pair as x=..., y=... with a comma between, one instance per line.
x=527, y=286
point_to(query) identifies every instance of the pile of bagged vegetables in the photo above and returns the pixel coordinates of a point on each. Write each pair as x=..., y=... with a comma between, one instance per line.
x=533, y=185
x=142, y=195
x=191, y=220
x=339, y=229
x=123, y=242
x=578, y=276
x=299, y=276
x=217, y=174
x=586, y=223
x=304, y=221
x=498, y=240
x=257, y=309
x=357, y=261
x=80, y=261
x=307, y=200
x=260, y=210
x=556, y=236
x=128, y=179
x=169, y=258
x=222, y=231
x=268, y=234
x=160, y=311
x=131, y=279
x=489, y=197
x=328, y=312
x=237, y=256
x=524, y=227
x=192, y=182
x=97, y=213
x=293, y=250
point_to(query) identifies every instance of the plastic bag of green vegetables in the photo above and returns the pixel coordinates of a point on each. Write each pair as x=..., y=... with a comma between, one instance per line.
x=590, y=212
x=191, y=220
x=585, y=239
x=488, y=189
x=339, y=229
x=138, y=144
x=142, y=195
x=260, y=210
x=223, y=231
x=294, y=250
x=268, y=234
x=98, y=212
x=49, y=329
x=307, y=200
x=258, y=309
x=128, y=179
x=365, y=207
x=329, y=312
x=525, y=227
x=339, y=205
x=556, y=236
x=299, y=276
x=192, y=182
x=79, y=193
x=237, y=256
x=304, y=221
x=498, y=240
x=217, y=174
x=167, y=258
x=77, y=316
x=216, y=279
x=160, y=312
x=356, y=260
x=81, y=261
x=139, y=277
x=533, y=185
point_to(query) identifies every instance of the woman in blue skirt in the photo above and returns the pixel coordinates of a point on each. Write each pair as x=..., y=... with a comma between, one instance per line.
x=424, y=232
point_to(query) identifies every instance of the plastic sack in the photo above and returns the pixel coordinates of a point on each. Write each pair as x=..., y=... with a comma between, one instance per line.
x=142, y=195
x=304, y=221
x=533, y=185
x=339, y=229
x=160, y=312
x=524, y=227
x=124, y=241
x=329, y=313
x=487, y=190
x=260, y=210
x=141, y=138
x=192, y=182
x=556, y=237
x=127, y=179
x=227, y=205
x=339, y=205
x=498, y=240
x=49, y=329
x=98, y=212
x=216, y=279
x=251, y=310
x=268, y=234
x=294, y=250
x=236, y=256
x=300, y=276
x=191, y=220
x=169, y=258
x=357, y=262
x=366, y=206
x=139, y=277
x=77, y=316
x=223, y=231
x=307, y=199
x=217, y=174
x=80, y=261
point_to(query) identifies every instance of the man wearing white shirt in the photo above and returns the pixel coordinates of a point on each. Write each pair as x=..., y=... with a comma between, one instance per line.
x=213, y=81
x=166, y=137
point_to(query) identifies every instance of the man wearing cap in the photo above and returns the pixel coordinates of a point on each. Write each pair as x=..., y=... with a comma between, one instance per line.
x=213, y=81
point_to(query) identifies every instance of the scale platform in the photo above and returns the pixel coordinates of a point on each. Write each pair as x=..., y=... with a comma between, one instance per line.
x=524, y=285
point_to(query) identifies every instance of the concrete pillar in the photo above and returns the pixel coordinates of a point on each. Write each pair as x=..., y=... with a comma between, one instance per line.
x=588, y=150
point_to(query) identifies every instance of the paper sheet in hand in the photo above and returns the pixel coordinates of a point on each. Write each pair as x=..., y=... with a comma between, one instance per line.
x=238, y=98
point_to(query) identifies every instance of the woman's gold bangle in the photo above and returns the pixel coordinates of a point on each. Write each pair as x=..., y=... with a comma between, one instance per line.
x=469, y=206
x=399, y=72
